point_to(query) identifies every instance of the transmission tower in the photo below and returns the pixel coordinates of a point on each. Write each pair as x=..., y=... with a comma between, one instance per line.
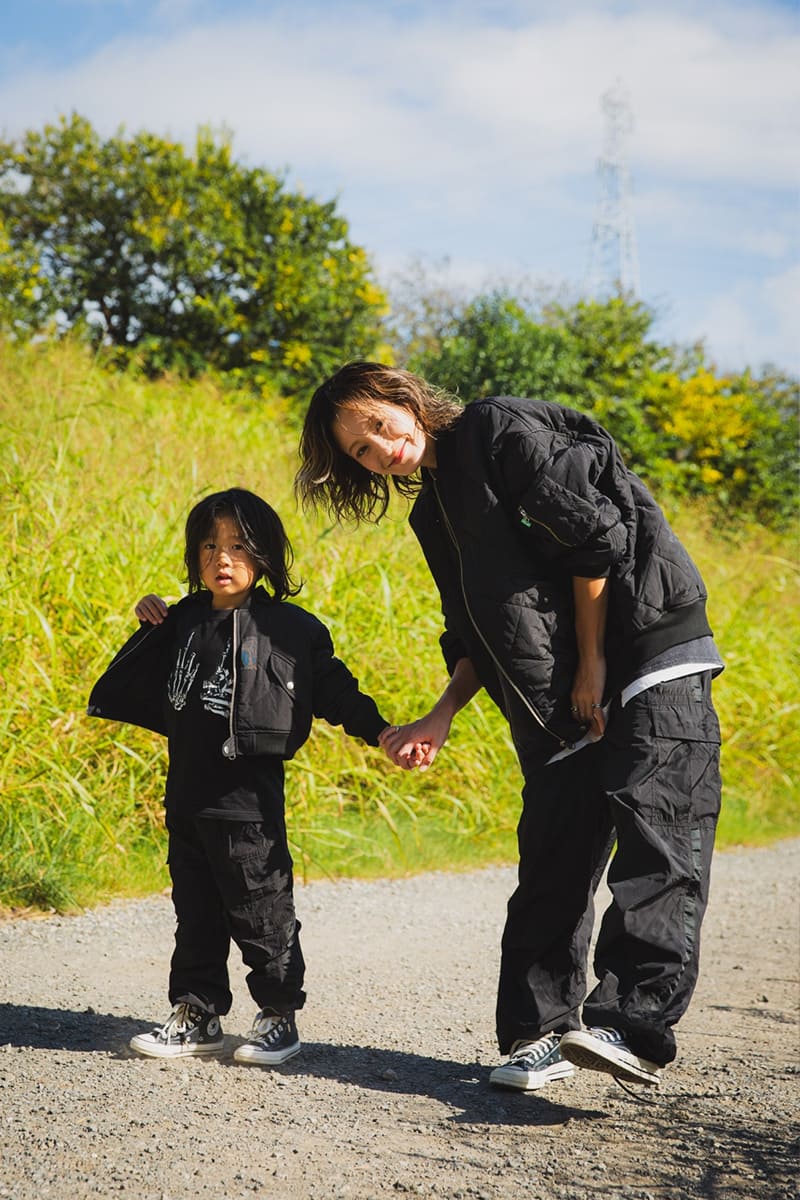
x=613, y=260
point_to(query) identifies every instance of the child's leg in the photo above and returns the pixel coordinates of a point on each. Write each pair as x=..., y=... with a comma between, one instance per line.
x=253, y=874
x=199, y=970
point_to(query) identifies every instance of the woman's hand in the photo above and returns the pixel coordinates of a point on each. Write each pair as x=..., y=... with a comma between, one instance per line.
x=418, y=743
x=151, y=609
x=587, y=695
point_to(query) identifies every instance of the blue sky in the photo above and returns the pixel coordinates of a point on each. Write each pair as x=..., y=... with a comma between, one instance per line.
x=468, y=134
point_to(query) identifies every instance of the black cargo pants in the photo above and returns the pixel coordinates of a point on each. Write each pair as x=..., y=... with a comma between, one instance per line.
x=232, y=880
x=652, y=784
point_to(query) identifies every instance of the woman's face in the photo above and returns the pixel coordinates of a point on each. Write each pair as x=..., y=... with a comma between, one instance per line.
x=384, y=438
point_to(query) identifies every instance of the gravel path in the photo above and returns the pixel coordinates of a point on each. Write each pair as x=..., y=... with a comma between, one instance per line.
x=390, y=1094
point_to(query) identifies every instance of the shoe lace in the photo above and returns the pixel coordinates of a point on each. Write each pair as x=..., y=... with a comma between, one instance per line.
x=267, y=1027
x=613, y=1036
x=637, y=1095
x=533, y=1052
x=182, y=1020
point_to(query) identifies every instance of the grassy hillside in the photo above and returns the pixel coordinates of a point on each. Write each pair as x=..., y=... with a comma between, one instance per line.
x=98, y=473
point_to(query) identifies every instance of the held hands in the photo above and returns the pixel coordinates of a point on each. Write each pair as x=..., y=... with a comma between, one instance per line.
x=416, y=744
x=152, y=609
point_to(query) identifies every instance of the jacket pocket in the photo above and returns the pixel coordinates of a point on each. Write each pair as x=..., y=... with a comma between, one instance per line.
x=281, y=673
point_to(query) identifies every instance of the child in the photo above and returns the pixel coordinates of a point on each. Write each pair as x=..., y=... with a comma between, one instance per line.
x=233, y=675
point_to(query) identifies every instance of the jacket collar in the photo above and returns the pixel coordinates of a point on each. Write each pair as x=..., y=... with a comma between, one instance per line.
x=258, y=596
x=446, y=451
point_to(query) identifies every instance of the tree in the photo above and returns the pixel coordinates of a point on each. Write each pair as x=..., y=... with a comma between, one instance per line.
x=619, y=364
x=178, y=261
x=496, y=348
x=595, y=357
x=687, y=431
x=770, y=488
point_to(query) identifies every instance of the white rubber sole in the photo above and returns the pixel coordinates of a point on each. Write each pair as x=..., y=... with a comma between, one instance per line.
x=140, y=1045
x=255, y=1056
x=584, y=1050
x=529, y=1081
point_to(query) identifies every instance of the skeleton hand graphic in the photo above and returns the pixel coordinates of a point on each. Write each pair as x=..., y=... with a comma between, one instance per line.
x=183, y=676
x=216, y=691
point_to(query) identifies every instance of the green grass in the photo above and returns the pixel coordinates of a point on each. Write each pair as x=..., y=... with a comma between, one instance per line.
x=753, y=588
x=98, y=473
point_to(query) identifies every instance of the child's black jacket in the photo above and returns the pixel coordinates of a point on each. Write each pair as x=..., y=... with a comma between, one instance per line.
x=285, y=674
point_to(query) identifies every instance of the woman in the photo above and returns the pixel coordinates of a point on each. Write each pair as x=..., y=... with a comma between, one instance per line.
x=567, y=596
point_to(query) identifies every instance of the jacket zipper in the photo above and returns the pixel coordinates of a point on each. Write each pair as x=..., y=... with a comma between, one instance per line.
x=229, y=745
x=498, y=665
x=133, y=649
x=527, y=520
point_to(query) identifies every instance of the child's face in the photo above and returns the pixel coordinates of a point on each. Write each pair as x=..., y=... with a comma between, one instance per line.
x=385, y=439
x=226, y=568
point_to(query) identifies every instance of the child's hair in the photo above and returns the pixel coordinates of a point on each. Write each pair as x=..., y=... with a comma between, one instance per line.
x=331, y=479
x=263, y=537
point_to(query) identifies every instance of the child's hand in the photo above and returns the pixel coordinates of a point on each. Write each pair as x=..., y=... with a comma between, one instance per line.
x=152, y=609
x=409, y=746
x=416, y=756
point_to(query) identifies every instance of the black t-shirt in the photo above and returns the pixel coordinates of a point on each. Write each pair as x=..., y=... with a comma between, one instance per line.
x=200, y=779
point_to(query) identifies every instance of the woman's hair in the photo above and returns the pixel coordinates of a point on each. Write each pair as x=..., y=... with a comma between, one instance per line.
x=328, y=478
x=263, y=537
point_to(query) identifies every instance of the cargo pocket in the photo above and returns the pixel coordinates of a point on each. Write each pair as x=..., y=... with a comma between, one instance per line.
x=684, y=783
x=252, y=866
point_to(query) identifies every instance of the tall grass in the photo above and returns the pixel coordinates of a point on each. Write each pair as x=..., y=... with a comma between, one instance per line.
x=98, y=473
x=752, y=578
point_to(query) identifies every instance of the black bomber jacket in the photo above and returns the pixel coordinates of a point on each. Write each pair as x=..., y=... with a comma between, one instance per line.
x=525, y=495
x=285, y=674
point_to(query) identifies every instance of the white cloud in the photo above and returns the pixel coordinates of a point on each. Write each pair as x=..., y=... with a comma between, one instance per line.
x=429, y=96
x=468, y=132
x=754, y=324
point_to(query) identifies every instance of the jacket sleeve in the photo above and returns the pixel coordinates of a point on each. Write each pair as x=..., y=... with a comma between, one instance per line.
x=131, y=688
x=336, y=695
x=562, y=490
x=452, y=649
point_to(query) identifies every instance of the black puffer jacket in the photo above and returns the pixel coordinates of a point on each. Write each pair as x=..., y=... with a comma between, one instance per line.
x=525, y=495
x=285, y=674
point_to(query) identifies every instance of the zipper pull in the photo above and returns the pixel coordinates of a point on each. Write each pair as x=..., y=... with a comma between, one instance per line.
x=229, y=747
x=524, y=518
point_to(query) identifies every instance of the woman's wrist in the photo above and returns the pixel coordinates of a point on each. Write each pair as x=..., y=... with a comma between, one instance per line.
x=588, y=658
